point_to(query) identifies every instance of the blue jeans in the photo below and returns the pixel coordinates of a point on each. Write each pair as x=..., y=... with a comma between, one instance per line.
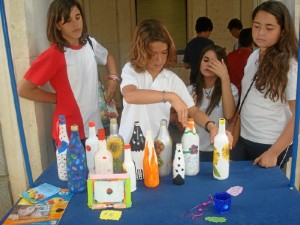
x=248, y=150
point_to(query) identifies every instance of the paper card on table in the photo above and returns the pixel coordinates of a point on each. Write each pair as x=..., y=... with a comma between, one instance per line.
x=110, y=215
x=31, y=211
x=57, y=204
x=235, y=191
x=40, y=193
x=215, y=219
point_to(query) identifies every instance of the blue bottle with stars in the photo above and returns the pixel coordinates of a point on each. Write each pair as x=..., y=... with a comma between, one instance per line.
x=76, y=163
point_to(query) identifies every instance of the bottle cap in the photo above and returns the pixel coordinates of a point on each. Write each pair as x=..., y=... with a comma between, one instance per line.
x=113, y=120
x=136, y=123
x=101, y=134
x=61, y=117
x=178, y=145
x=222, y=121
x=74, y=127
x=190, y=120
x=91, y=123
x=127, y=146
x=163, y=122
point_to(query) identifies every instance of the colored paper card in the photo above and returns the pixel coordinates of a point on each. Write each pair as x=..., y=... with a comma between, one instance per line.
x=215, y=219
x=110, y=215
x=40, y=193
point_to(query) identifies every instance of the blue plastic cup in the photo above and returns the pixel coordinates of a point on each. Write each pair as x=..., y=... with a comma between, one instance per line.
x=222, y=202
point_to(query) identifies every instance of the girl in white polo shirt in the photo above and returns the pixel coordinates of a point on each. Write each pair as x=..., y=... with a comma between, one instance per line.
x=267, y=116
x=149, y=89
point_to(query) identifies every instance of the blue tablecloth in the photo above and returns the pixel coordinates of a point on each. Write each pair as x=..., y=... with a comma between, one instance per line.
x=266, y=199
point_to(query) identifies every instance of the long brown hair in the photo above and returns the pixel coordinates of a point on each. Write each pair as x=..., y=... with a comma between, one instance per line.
x=149, y=31
x=61, y=9
x=271, y=77
x=200, y=85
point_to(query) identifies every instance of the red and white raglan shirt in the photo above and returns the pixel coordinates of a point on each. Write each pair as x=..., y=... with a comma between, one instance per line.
x=73, y=75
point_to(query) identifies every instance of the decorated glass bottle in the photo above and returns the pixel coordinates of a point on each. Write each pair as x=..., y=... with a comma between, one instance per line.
x=115, y=144
x=163, y=149
x=103, y=157
x=91, y=147
x=178, y=165
x=190, y=146
x=150, y=164
x=137, y=143
x=128, y=166
x=76, y=163
x=221, y=153
x=62, y=147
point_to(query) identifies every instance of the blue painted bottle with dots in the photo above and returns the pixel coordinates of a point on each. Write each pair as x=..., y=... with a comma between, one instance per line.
x=76, y=163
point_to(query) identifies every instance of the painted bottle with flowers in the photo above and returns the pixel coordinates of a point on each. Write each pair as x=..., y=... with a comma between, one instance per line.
x=137, y=143
x=163, y=149
x=62, y=147
x=115, y=144
x=221, y=153
x=190, y=145
x=103, y=157
x=150, y=163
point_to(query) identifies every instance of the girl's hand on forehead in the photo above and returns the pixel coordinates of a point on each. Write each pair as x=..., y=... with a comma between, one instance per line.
x=219, y=68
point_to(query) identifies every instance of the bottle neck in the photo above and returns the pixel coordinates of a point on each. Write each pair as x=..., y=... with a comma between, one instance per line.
x=74, y=133
x=92, y=131
x=222, y=128
x=113, y=128
x=63, y=130
x=163, y=130
x=102, y=145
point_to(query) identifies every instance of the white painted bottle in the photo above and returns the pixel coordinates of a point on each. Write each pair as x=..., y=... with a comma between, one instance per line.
x=163, y=149
x=221, y=153
x=91, y=147
x=190, y=145
x=103, y=157
x=178, y=165
x=62, y=147
x=128, y=166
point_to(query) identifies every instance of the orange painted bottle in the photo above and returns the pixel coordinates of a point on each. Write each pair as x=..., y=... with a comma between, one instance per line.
x=150, y=164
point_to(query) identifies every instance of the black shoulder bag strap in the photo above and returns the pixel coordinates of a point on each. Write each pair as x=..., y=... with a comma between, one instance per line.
x=240, y=106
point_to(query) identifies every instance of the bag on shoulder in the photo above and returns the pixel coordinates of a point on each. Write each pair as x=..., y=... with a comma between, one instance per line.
x=235, y=123
x=108, y=110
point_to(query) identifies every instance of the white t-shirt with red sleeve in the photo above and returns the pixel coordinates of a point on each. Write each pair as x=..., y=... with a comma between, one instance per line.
x=73, y=75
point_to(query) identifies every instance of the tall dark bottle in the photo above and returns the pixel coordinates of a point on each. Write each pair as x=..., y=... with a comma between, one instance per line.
x=137, y=143
x=76, y=163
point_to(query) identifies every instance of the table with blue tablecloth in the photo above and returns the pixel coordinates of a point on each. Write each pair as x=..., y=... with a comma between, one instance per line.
x=266, y=199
